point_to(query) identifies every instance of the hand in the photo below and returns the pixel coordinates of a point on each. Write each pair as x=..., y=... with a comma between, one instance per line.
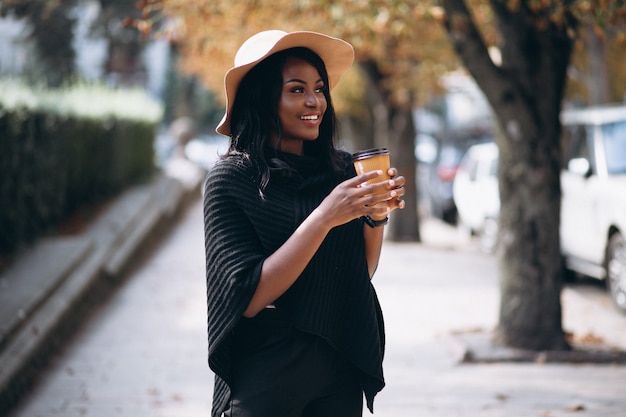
x=394, y=186
x=398, y=187
x=352, y=199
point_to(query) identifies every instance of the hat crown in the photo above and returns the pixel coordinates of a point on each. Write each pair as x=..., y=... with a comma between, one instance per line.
x=257, y=46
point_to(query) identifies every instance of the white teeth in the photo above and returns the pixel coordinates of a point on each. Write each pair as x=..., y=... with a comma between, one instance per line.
x=310, y=117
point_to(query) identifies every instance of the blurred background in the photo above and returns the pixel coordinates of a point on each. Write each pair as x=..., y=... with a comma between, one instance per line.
x=99, y=95
x=176, y=53
x=507, y=118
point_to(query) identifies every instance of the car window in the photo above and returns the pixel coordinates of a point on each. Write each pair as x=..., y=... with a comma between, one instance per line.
x=576, y=143
x=614, y=136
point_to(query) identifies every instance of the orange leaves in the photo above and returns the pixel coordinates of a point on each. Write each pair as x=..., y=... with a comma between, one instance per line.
x=148, y=7
x=607, y=16
x=151, y=12
x=387, y=31
x=542, y=6
x=405, y=38
x=437, y=13
x=459, y=23
x=143, y=26
x=129, y=22
x=381, y=22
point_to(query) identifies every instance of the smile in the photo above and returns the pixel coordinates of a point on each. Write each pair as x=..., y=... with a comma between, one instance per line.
x=315, y=117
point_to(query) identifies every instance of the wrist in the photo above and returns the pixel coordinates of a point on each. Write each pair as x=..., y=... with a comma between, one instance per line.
x=320, y=220
x=373, y=222
x=379, y=217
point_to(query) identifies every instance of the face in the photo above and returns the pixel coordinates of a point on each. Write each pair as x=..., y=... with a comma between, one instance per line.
x=301, y=106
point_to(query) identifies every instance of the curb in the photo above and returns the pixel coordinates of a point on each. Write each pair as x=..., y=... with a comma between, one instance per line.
x=480, y=347
x=50, y=289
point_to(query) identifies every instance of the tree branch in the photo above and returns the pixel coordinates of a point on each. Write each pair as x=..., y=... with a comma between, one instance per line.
x=470, y=46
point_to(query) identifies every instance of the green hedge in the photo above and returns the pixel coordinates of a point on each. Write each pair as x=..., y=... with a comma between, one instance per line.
x=61, y=150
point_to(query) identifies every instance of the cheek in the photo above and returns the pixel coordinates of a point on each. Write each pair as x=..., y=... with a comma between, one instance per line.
x=283, y=109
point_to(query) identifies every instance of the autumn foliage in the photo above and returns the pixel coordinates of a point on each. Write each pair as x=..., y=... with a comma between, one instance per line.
x=405, y=39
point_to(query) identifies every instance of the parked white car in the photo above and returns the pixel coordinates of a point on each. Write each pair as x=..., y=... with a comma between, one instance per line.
x=476, y=195
x=593, y=183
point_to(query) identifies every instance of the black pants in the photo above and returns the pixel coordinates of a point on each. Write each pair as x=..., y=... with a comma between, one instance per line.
x=281, y=372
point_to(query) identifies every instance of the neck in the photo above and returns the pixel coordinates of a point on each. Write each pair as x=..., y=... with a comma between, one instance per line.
x=295, y=147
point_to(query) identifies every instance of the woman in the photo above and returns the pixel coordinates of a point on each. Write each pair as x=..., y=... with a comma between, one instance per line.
x=292, y=239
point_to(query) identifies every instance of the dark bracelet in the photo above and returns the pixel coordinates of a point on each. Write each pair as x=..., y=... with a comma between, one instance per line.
x=375, y=223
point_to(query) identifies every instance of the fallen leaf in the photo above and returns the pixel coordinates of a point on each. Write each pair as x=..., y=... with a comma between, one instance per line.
x=576, y=407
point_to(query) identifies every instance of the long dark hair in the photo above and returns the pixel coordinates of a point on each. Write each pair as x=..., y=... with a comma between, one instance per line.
x=255, y=118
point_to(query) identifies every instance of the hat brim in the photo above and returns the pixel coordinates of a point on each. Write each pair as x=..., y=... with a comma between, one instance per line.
x=337, y=55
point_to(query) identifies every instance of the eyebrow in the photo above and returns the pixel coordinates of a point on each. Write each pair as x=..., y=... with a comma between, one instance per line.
x=297, y=80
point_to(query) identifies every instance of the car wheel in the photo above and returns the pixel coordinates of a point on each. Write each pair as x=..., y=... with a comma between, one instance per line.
x=616, y=270
x=569, y=276
x=450, y=216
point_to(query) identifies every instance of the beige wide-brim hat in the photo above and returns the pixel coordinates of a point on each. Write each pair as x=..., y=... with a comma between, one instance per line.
x=337, y=55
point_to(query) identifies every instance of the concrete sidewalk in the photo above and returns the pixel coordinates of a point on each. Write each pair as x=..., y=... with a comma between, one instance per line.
x=143, y=352
x=46, y=291
x=441, y=300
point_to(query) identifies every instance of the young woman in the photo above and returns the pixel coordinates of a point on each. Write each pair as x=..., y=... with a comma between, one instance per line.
x=293, y=237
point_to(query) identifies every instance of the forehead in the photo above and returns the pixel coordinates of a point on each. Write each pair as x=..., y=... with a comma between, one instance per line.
x=299, y=69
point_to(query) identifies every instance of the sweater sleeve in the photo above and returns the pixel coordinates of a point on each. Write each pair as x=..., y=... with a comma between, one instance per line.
x=234, y=258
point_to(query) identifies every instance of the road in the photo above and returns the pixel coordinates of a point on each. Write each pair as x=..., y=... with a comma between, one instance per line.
x=142, y=353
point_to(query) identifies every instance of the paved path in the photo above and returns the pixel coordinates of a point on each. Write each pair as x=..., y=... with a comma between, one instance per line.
x=143, y=352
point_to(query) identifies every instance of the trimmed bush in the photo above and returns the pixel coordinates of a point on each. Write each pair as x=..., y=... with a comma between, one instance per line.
x=62, y=150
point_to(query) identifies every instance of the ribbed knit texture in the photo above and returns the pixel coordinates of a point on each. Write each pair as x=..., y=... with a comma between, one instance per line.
x=333, y=298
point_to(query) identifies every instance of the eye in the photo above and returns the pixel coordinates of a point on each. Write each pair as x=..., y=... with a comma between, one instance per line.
x=297, y=90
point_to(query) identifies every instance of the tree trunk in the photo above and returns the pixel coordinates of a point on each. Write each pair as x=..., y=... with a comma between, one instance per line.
x=525, y=93
x=354, y=133
x=597, y=80
x=404, y=225
x=394, y=128
x=52, y=32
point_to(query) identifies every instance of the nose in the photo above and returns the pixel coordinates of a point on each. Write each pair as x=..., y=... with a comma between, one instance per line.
x=311, y=99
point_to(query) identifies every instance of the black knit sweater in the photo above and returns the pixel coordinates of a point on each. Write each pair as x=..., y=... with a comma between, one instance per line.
x=333, y=298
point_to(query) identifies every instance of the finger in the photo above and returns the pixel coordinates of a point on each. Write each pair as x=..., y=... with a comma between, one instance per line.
x=362, y=178
x=396, y=184
x=399, y=181
x=399, y=191
x=377, y=189
x=396, y=203
x=380, y=197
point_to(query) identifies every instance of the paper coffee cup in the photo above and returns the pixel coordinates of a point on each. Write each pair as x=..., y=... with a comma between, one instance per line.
x=371, y=160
